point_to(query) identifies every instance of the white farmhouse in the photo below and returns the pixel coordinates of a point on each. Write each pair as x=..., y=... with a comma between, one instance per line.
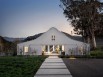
x=53, y=42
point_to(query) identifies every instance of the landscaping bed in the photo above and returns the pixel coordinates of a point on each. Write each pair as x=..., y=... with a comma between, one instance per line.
x=97, y=53
x=20, y=66
x=93, y=55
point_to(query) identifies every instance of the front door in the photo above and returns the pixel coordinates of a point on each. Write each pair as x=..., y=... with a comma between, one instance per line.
x=55, y=48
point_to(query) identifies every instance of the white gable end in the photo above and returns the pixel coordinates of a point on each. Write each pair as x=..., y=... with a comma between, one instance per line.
x=46, y=38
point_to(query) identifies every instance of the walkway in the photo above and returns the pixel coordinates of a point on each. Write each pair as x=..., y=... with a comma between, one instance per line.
x=53, y=67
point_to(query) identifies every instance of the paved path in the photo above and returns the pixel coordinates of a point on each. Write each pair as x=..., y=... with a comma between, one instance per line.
x=53, y=67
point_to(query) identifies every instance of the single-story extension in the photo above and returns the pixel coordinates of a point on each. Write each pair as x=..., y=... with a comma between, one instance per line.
x=53, y=42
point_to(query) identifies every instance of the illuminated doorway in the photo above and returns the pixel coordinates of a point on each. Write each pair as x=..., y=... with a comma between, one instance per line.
x=53, y=49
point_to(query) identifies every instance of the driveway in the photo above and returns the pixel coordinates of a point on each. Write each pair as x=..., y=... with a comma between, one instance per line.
x=85, y=67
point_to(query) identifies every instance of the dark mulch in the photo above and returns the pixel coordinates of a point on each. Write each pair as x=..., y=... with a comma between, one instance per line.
x=85, y=67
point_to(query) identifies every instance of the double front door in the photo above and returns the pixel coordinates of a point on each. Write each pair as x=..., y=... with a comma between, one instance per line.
x=53, y=48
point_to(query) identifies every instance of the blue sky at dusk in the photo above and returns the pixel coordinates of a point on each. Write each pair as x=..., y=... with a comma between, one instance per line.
x=22, y=18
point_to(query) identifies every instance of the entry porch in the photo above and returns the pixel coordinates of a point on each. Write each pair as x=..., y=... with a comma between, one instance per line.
x=52, y=49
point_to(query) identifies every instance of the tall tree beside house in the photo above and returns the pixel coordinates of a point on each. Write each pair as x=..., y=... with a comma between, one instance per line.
x=86, y=17
x=16, y=41
x=6, y=46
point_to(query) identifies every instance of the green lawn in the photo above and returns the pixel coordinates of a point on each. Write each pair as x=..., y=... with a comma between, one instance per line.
x=20, y=66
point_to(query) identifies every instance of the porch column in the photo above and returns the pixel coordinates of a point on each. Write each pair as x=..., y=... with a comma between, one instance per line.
x=48, y=48
x=53, y=48
x=62, y=47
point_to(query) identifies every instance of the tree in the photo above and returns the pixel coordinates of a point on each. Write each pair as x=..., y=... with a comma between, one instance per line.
x=99, y=32
x=7, y=47
x=85, y=16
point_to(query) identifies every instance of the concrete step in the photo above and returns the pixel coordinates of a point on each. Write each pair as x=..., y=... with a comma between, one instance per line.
x=53, y=72
x=56, y=64
x=49, y=67
x=53, y=76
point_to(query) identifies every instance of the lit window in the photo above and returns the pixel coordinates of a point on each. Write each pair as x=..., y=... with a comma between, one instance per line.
x=25, y=49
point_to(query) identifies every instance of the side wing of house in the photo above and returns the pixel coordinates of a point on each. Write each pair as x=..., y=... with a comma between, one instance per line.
x=28, y=49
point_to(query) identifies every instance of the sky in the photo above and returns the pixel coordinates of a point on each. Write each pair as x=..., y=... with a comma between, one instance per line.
x=22, y=18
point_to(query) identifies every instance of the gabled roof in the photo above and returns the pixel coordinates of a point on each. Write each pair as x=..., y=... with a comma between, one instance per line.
x=46, y=39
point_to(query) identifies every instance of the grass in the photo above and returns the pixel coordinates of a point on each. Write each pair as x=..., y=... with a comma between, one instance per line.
x=20, y=66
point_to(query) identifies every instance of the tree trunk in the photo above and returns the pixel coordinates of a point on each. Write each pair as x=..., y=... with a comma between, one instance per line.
x=93, y=41
x=92, y=38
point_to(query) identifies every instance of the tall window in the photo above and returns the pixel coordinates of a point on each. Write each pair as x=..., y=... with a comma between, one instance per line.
x=25, y=49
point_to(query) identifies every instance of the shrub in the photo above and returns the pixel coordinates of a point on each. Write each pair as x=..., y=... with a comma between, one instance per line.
x=96, y=54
